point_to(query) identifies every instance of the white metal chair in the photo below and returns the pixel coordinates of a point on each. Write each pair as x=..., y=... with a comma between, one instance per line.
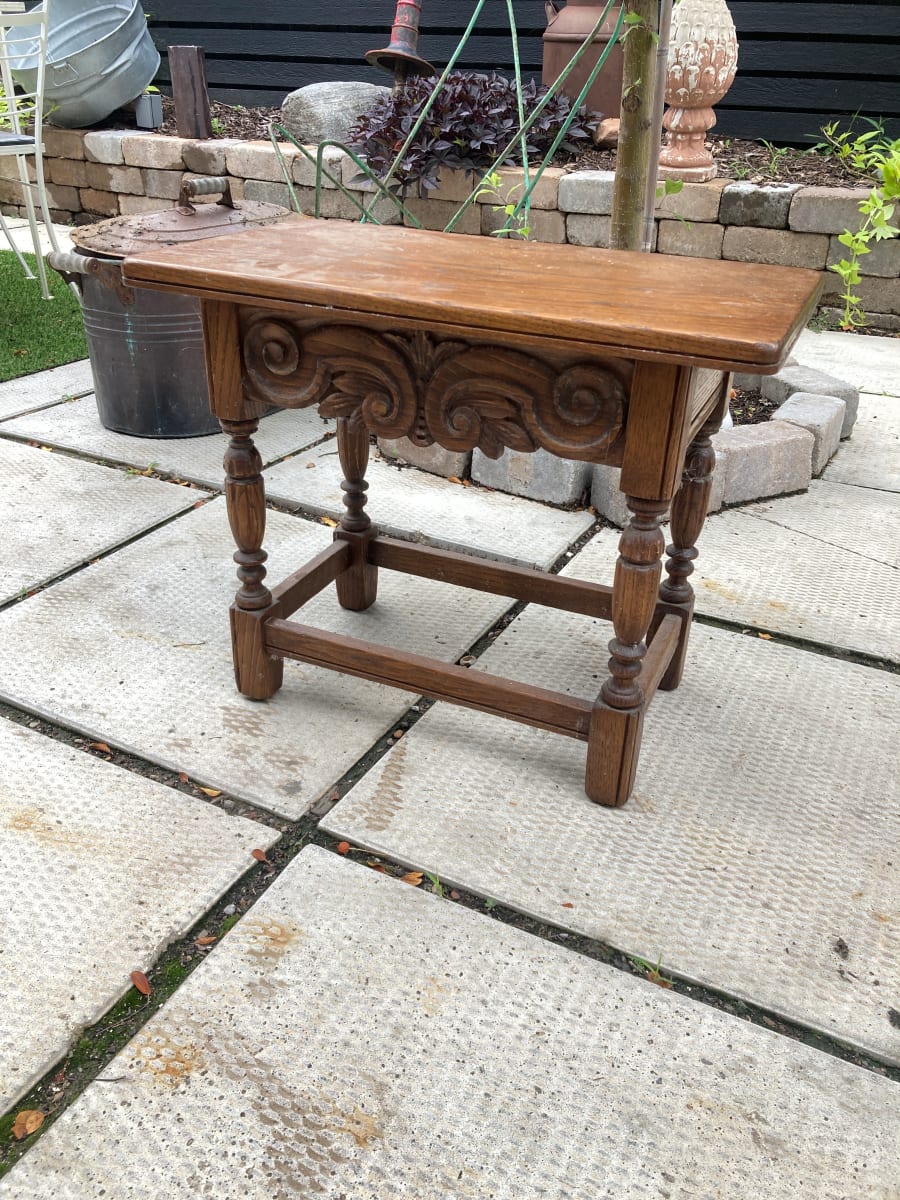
x=24, y=35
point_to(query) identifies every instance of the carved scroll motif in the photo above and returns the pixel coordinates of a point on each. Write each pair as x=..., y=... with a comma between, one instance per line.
x=436, y=390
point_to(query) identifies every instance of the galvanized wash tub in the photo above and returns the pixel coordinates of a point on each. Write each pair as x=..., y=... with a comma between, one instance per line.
x=100, y=55
x=146, y=347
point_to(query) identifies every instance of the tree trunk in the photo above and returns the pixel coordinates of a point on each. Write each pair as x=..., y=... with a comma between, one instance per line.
x=635, y=140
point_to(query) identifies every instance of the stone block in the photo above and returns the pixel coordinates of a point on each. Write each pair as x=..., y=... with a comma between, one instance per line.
x=335, y=205
x=156, y=152
x=764, y=460
x=437, y=214
x=104, y=204
x=71, y=172
x=780, y=247
x=63, y=143
x=207, y=157
x=304, y=172
x=537, y=476
x=455, y=186
x=695, y=202
x=433, y=459
x=66, y=199
x=695, y=240
x=609, y=502
x=826, y=209
x=165, y=185
x=268, y=192
x=9, y=168
x=105, y=145
x=763, y=206
x=877, y=295
x=512, y=186
x=883, y=258
x=132, y=206
x=796, y=378
x=326, y=112
x=104, y=177
x=543, y=225
x=587, y=229
x=258, y=160
x=587, y=192
x=823, y=416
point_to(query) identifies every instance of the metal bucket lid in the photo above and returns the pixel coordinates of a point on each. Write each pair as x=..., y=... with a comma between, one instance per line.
x=121, y=236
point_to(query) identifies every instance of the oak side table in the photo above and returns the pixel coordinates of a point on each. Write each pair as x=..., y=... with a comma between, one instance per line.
x=602, y=356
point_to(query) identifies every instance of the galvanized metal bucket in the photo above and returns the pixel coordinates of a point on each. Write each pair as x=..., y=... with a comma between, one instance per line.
x=100, y=56
x=146, y=347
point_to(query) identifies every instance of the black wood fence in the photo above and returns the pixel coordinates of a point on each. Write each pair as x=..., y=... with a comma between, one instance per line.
x=800, y=63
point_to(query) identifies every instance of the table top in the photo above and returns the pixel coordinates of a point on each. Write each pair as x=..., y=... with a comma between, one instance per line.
x=730, y=315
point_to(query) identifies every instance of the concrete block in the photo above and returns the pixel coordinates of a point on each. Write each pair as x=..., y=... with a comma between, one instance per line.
x=693, y=240
x=764, y=460
x=434, y=459
x=105, y=145
x=587, y=229
x=267, y=192
x=763, y=206
x=9, y=168
x=104, y=204
x=587, y=192
x=157, y=152
x=132, y=206
x=695, y=201
x=63, y=143
x=512, y=187
x=105, y=177
x=798, y=378
x=165, y=185
x=455, y=186
x=64, y=198
x=71, y=172
x=823, y=416
x=258, y=160
x=779, y=247
x=826, y=209
x=537, y=476
x=542, y=225
x=335, y=205
x=207, y=158
x=304, y=172
x=436, y=214
x=877, y=295
x=883, y=258
x=609, y=502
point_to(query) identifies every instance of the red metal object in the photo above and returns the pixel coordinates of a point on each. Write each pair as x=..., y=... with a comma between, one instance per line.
x=401, y=57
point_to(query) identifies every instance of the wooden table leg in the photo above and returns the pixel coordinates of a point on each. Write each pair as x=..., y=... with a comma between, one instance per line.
x=618, y=715
x=257, y=674
x=689, y=510
x=357, y=586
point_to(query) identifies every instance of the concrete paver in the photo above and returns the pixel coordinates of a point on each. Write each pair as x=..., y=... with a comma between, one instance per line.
x=76, y=426
x=102, y=869
x=355, y=1038
x=760, y=839
x=871, y=459
x=59, y=512
x=780, y=573
x=135, y=650
x=47, y=387
x=871, y=364
x=406, y=502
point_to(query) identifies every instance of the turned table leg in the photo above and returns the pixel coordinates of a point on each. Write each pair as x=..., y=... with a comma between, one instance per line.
x=258, y=675
x=358, y=584
x=689, y=510
x=618, y=716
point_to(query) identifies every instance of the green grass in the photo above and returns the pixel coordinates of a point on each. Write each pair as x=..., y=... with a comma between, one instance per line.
x=37, y=333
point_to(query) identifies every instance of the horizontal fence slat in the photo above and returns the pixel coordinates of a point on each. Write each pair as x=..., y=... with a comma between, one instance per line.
x=874, y=21
x=436, y=14
x=796, y=128
x=846, y=95
x=819, y=58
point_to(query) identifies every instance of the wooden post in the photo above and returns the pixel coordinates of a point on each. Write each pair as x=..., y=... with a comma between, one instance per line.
x=633, y=158
x=188, y=72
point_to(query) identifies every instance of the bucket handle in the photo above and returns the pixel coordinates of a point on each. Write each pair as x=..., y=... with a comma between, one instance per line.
x=72, y=266
x=208, y=185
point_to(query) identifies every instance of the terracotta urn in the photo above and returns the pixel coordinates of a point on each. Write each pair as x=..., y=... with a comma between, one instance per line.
x=700, y=69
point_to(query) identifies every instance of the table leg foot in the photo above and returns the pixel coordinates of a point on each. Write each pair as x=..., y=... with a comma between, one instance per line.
x=614, y=742
x=357, y=586
x=258, y=674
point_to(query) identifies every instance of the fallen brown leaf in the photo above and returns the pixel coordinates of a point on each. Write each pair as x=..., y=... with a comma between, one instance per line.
x=212, y=792
x=141, y=982
x=27, y=1122
x=568, y=904
x=412, y=877
x=259, y=855
x=182, y=776
x=328, y=521
x=206, y=941
x=766, y=637
x=100, y=747
x=454, y=479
